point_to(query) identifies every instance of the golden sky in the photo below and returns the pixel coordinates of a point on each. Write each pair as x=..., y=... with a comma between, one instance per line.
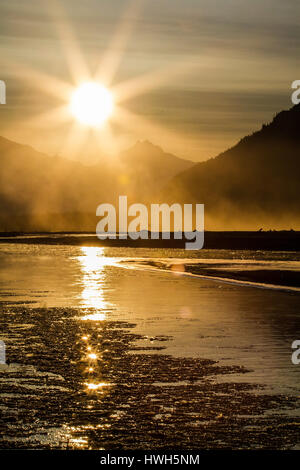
x=203, y=73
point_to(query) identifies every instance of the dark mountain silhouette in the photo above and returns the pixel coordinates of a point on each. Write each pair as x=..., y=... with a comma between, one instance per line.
x=39, y=192
x=253, y=184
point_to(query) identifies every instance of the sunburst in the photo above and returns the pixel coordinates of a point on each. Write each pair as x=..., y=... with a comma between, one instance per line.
x=90, y=103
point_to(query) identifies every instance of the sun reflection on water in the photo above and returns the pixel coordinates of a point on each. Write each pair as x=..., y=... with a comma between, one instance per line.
x=94, y=317
x=92, y=356
x=95, y=386
x=93, y=263
x=93, y=266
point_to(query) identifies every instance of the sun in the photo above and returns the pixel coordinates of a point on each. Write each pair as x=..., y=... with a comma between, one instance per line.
x=92, y=104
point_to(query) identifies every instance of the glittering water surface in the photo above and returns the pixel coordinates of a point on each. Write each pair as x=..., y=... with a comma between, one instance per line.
x=188, y=316
x=233, y=324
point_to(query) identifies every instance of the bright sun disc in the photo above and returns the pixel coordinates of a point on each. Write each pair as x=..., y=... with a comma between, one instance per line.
x=91, y=104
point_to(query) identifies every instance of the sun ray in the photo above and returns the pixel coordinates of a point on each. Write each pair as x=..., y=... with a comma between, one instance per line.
x=73, y=143
x=52, y=118
x=106, y=140
x=145, y=127
x=113, y=56
x=46, y=120
x=43, y=81
x=77, y=65
x=148, y=81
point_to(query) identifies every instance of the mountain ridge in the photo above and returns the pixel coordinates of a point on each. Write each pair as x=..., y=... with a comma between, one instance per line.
x=251, y=181
x=34, y=184
x=252, y=185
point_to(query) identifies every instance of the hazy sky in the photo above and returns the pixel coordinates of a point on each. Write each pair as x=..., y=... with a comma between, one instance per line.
x=227, y=66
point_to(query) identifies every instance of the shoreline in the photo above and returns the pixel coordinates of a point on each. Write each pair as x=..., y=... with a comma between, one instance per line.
x=284, y=280
x=239, y=240
x=262, y=278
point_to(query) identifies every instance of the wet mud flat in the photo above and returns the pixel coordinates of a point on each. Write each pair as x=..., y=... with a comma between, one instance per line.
x=265, y=276
x=71, y=382
x=285, y=278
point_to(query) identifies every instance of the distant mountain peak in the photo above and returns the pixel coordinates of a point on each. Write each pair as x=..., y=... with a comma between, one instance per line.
x=145, y=146
x=144, y=150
